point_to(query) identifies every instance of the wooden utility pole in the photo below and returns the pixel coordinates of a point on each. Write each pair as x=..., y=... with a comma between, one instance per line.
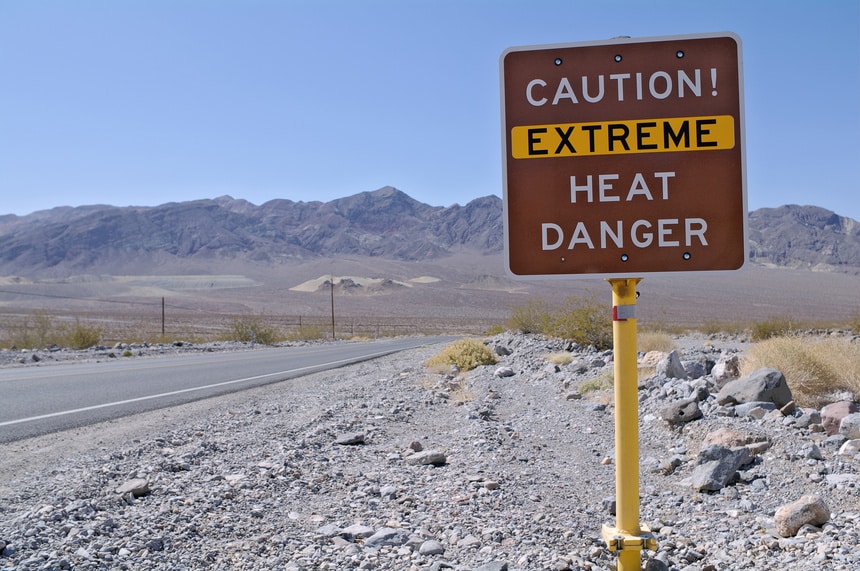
x=332, y=306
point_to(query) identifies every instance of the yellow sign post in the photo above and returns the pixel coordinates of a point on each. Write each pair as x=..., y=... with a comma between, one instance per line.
x=628, y=537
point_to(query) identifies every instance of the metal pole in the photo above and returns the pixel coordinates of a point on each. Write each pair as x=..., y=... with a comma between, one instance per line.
x=162, y=317
x=332, y=306
x=627, y=537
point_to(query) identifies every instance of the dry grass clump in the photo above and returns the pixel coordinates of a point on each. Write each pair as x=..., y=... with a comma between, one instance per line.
x=816, y=369
x=655, y=341
x=559, y=358
x=465, y=354
x=603, y=382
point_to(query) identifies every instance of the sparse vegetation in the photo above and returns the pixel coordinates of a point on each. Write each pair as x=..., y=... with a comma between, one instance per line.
x=559, y=358
x=40, y=330
x=33, y=331
x=816, y=369
x=655, y=341
x=252, y=328
x=773, y=327
x=496, y=329
x=585, y=320
x=530, y=317
x=465, y=354
x=307, y=333
x=82, y=336
x=582, y=319
x=604, y=381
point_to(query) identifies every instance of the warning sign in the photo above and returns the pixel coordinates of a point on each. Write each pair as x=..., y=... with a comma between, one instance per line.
x=625, y=157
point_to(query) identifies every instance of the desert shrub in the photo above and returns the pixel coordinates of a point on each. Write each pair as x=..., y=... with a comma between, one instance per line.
x=251, y=329
x=530, y=317
x=773, y=327
x=465, y=354
x=81, y=336
x=496, y=329
x=560, y=358
x=604, y=381
x=584, y=320
x=815, y=369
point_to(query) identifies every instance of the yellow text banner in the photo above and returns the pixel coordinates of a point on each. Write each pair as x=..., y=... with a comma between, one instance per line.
x=664, y=135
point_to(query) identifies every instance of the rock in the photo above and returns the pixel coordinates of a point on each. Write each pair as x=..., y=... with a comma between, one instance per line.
x=651, y=358
x=850, y=448
x=502, y=372
x=729, y=438
x=352, y=439
x=426, y=458
x=387, y=536
x=693, y=369
x=655, y=565
x=501, y=351
x=849, y=426
x=431, y=547
x=842, y=480
x=807, y=418
x=82, y=553
x=493, y=566
x=716, y=466
x=671, y=367
x=356, y=531
x=609, y=505
x=811, y=452
x=832, y=415
x=726, y=369
x=807, y=510
x=681, y=411
x=763, y=385
x=137, y=487
x=755, y=409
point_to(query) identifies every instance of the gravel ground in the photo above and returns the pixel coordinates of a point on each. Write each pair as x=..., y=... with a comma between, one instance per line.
x=385, y=465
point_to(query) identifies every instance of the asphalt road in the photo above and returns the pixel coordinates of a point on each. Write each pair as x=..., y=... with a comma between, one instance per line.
x=39, y=400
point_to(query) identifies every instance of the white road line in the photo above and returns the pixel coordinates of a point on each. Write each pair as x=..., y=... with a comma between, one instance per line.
x=189, y=390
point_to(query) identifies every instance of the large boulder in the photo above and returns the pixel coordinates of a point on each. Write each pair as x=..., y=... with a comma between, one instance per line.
x=763, y=385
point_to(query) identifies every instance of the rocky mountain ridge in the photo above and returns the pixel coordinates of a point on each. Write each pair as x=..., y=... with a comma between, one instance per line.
x=386, y=223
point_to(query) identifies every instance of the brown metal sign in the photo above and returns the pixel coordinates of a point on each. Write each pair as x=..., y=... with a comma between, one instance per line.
x=624, y=157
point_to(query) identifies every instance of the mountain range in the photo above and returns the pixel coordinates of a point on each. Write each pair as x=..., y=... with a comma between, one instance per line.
x=386, y=223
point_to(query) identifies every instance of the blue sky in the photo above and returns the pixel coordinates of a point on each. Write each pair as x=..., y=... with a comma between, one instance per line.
x=146, y=102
